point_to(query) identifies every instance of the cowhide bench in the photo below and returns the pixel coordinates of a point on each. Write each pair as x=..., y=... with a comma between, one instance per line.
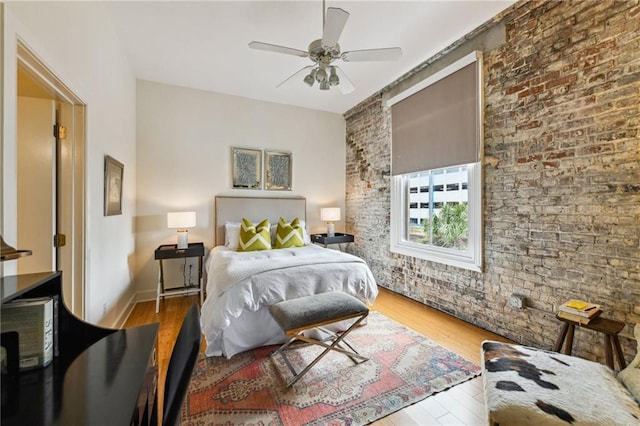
x=529, y=386
x=296, y=316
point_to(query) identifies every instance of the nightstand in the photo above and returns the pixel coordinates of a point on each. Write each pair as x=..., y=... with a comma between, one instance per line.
x=170, y=251
x=338, y=238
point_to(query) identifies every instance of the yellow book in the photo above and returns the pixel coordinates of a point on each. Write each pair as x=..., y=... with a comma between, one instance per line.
x=578, y=307
x=577, y=304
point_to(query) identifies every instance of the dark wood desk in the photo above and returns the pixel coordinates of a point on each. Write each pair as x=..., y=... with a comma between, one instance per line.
x=100, y=376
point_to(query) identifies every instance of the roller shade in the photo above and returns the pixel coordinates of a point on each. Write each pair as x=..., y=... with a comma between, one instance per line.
x=437, y=126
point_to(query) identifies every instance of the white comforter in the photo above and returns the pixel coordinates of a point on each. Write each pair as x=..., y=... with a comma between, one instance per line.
x=242, y=285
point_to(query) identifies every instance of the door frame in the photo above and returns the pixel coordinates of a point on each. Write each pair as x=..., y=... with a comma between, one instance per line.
x=74, y=289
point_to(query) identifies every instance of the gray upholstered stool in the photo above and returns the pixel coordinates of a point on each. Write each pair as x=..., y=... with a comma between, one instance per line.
x=297, y=315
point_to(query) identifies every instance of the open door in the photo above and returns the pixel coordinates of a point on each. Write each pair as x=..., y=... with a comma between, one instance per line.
x=51, y=178
x=36, y=184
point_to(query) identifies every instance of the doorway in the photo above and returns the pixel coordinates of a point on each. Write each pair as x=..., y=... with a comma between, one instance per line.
x=51, y=177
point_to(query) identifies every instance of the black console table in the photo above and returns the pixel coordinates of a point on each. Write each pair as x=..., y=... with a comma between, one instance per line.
x=337, y=238
x=171, y=251
x=100, y=375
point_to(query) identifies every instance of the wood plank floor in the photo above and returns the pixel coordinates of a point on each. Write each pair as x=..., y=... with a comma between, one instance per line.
x=460, y=405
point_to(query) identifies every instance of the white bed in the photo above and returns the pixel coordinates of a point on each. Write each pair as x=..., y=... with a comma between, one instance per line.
x=241, y=285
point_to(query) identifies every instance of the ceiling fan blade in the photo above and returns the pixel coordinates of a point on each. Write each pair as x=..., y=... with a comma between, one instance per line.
x=298, y=75
x=385, y=54
x=258, y=45
x=333, y=25
x=345, y=86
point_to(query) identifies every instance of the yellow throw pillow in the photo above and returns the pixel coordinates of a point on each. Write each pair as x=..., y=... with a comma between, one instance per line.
x=289, y=234
x=254, y=237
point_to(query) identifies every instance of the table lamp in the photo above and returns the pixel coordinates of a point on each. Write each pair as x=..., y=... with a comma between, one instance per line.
x=330, y=215
x=182, y=221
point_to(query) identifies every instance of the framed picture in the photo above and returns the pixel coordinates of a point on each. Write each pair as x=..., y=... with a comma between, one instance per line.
x=246, y=168
x=113, y=174
x=277, y=167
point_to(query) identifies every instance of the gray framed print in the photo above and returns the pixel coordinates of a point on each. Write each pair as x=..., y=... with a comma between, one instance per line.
x=246, y=168
x=113, y=174
x=277, y=167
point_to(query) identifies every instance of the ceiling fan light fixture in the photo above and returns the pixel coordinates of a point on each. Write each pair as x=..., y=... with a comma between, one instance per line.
x=321, y=75
x=309, y=80
x=324, y=85
x=334, y=80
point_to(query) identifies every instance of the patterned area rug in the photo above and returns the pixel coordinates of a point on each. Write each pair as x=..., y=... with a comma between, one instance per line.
x=249, y=389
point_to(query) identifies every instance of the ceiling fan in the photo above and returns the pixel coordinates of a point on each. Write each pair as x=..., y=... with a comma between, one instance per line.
x=325, y=51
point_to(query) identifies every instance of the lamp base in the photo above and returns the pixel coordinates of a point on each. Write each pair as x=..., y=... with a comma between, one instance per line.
x=331, y=230
x=183, y=239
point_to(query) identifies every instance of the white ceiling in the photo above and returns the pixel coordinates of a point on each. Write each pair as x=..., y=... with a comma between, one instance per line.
x=203, y=45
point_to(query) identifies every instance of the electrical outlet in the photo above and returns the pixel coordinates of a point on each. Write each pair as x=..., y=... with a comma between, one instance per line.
x=517, y=301
x=104, y=309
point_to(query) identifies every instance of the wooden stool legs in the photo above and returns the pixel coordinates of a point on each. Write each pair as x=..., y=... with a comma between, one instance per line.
x=567, y=331
x=610, y=330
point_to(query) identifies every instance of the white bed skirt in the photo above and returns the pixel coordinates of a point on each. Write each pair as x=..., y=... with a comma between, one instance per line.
x=242, y=334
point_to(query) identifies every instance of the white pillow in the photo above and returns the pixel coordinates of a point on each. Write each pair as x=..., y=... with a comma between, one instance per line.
x=305, y=235
x=232, y=235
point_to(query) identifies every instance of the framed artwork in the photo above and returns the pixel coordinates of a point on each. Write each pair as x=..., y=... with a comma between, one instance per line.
x=246, y=168
x=277, y=167
x=113, y=174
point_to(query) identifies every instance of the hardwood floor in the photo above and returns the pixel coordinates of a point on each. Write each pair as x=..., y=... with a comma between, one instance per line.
x=460, y=405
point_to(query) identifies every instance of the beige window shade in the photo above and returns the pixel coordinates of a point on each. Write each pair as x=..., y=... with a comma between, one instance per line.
x=437, y=126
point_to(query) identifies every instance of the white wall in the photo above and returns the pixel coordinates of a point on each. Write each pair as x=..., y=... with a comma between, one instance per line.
x=77, y=42
x=184, y=140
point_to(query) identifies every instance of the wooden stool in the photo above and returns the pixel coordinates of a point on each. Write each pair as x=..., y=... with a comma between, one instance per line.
x=610, y=328
x=297, y=315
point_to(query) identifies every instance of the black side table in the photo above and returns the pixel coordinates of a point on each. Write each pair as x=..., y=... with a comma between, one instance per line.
x=338, y=238
x=170, y=251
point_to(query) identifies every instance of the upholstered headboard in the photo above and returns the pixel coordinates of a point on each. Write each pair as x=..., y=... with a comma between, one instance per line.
x=233, y=209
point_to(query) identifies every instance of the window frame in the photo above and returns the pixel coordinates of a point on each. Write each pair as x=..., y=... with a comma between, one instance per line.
x=471, y=258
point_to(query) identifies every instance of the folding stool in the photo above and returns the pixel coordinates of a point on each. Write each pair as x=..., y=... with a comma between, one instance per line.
x=296, y=316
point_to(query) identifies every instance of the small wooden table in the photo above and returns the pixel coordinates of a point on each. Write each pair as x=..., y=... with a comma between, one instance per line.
x=610, y=328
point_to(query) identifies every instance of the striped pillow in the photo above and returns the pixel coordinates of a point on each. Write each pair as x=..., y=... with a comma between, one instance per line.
x=289, y=234
x=254, y=237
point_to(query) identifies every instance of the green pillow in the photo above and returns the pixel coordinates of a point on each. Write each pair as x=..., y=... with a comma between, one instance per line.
x=254, y=237
x=289, y=234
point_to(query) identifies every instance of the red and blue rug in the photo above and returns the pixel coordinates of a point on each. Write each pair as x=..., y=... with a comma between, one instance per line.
x=249, y=389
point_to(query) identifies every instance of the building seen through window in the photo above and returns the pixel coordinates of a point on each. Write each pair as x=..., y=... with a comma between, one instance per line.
x=438, y=207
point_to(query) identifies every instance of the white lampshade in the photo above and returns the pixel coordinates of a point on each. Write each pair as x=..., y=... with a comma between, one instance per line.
x=330, y=214
x=181, y=220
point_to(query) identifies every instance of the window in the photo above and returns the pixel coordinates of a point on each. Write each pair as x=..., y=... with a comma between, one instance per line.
x=436, y=191
x=440, y=226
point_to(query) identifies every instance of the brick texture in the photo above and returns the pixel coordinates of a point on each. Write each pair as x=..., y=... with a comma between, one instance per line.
x=561, y=178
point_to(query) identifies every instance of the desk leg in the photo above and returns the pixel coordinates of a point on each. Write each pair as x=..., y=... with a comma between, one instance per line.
x=616, y=344
x=608, y=351
x=560, y=339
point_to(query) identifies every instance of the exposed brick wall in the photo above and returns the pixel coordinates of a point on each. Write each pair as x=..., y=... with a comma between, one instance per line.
x=561, y=178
